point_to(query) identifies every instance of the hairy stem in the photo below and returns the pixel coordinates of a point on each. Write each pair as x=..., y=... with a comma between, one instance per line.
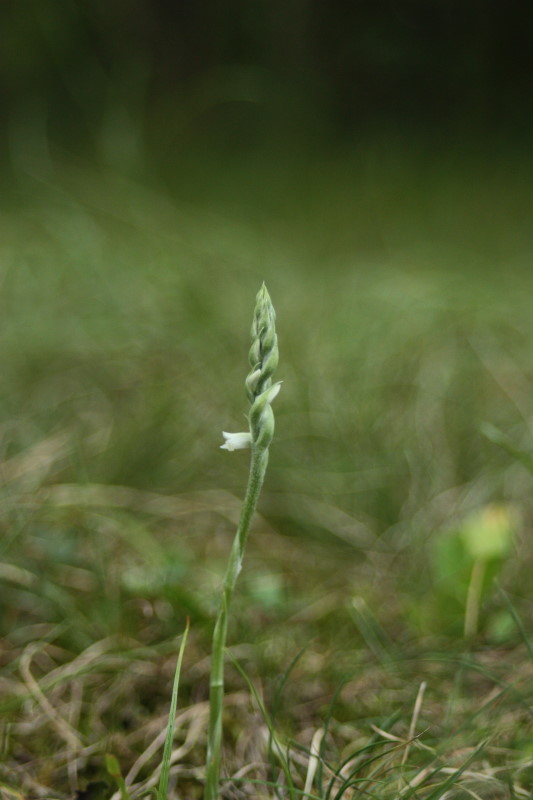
x=216, y=685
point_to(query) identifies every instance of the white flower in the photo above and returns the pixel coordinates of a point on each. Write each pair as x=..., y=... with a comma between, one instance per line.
x=236, y=441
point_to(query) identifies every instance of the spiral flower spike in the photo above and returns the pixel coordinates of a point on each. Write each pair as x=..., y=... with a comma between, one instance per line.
x=263, y=358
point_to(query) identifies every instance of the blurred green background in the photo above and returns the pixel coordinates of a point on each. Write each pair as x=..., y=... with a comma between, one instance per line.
x=369, y=161
x=372, y=163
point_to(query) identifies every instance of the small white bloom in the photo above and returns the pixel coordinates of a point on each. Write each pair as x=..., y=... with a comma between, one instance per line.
x=236, y=441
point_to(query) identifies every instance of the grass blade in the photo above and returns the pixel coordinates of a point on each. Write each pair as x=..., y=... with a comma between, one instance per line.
x=274, y=744
x=114, y=771
x=440, y=790
x=167, y=752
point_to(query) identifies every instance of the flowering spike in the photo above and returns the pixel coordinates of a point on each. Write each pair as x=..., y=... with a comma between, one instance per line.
x=263, y=359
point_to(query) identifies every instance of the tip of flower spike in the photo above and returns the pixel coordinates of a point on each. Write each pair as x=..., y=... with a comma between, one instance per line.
x=263, y=293
x=264, y=312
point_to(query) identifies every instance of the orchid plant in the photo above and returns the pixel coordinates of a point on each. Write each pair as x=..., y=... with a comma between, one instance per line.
x=263, y=358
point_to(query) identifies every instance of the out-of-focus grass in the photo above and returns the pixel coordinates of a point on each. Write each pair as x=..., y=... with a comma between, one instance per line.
x=402, y=289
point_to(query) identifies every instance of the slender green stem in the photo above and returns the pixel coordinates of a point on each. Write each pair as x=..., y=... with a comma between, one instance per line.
x=473, y=598
x=216, y=686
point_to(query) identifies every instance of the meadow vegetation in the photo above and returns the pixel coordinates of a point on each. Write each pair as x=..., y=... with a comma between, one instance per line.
x=380, y=639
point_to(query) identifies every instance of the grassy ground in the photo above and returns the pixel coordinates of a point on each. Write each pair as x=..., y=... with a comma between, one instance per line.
x=382, y=618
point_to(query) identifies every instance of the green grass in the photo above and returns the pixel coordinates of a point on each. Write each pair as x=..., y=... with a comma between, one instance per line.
x=402, y=290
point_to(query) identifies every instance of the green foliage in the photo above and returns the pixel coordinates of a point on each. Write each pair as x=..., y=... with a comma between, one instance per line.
x=465, y=563
x=113, y=769
x=169, y=740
